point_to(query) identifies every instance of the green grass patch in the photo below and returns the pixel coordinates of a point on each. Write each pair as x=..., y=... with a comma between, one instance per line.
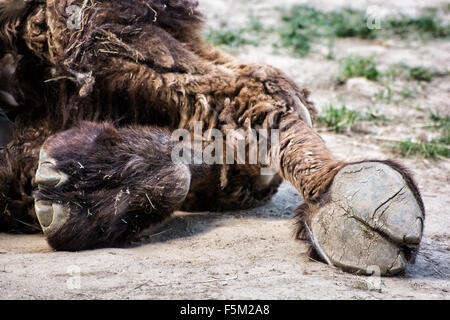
x=353, y=66
x=440, y=122
x=427, y=25
x=303, y=25
x=431, y=150
x=407, y=93
x=436, y=148
x=229, y=37
x=343, y=119
x=411, y=73
x=255, y=23
x=356, y=66
x=420, y=74
x=377, y=118
x=338, y=119
x=414, y=78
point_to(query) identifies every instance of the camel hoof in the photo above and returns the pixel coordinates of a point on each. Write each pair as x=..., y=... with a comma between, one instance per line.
x=371, y=221
x=45, y=174
x=51, y=215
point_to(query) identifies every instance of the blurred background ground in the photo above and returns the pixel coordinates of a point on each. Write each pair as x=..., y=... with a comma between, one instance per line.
x=381, y=92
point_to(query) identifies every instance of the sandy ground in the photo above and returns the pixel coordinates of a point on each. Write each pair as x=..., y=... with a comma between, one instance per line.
x=252, y=254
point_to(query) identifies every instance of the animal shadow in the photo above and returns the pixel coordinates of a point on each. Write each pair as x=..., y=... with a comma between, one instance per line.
x=189, y=224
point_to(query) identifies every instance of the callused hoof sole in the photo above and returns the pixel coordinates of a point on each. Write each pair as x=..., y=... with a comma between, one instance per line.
x=46, y=174
x=371, y=220
x=51, y=215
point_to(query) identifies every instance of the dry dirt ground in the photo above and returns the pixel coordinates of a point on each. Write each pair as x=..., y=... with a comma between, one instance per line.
x=252, y=254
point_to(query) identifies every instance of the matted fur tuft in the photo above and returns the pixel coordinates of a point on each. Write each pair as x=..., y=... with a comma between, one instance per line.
x=12, y=13
x=9, y=88
x=10, y=9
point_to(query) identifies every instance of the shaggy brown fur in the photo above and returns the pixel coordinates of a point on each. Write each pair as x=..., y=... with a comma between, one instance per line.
x=140, y=63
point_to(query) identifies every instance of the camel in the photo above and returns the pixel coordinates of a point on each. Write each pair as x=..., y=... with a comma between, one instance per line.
x=90, y=94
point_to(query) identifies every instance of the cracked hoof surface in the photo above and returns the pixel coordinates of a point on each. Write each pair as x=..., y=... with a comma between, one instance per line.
x=372, y=221
x=51, y=215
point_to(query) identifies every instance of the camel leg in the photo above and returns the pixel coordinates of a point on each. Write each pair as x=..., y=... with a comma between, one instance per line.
x=99, y=186
x=362, y=217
